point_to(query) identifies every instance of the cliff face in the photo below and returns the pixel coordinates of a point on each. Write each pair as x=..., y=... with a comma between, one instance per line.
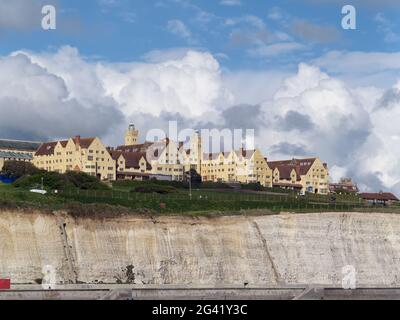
x=260, y=251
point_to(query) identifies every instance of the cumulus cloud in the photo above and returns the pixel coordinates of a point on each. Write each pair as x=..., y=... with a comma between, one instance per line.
x=190, y=85
x=315, y=114
x=309, y=113
x=314, y=110
x=37, y=104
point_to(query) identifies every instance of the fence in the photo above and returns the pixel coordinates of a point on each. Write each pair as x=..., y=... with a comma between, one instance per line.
x=202, y=200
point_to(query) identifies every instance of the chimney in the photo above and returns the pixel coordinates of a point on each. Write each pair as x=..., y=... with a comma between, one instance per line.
x=77, y=140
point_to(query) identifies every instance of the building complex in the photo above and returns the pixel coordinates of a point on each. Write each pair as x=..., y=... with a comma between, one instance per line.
x=170, y=160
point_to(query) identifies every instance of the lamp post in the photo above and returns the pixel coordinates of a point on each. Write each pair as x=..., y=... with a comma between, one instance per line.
x=190, y=185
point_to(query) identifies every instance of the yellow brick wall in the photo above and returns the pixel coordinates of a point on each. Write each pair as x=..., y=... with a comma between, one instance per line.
x=92, y=160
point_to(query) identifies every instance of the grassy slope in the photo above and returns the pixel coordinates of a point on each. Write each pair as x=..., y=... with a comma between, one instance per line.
x=178, y=202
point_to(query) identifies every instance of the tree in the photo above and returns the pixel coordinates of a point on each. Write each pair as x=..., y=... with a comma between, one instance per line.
x=17, y=169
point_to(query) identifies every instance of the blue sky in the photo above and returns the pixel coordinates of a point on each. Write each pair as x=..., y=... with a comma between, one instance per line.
x=123, y=30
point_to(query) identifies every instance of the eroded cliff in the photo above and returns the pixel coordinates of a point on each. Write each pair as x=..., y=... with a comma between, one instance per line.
x=258, y=251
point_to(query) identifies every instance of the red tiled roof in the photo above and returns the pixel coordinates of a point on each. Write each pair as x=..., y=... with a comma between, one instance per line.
x=286, y=171
x=47, y=148
x=383, y=196
x=301, y=166
x=132, y=159
x=115, y=154
x=85, y=143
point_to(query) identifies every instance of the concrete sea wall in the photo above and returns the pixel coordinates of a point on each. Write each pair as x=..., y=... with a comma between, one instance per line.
x=264, y=251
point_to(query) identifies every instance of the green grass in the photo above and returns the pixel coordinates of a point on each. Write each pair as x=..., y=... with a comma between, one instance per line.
x=203, y=202
x=12, y=197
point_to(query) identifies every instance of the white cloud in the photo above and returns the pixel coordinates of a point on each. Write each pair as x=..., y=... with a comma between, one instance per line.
x=385, y=26
x=359, y=62
x=275, y=13
x=189, y=84
x=231, y=3
x=180, y=29
x=251, y=32
x=275, y=49
x=38, y=104
x=319, y=112
x=61, y=94
x=261, y=85
x=251, y=20
x=379, y=69
x=158, y=55
x=354, y=130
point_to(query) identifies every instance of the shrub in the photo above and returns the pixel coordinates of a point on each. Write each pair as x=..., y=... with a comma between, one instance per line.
x=17, y=169
x=53, y=180
x=154, y=188
x=133, y=184
x=253, y=186
x=213, y=185
x=84, y=181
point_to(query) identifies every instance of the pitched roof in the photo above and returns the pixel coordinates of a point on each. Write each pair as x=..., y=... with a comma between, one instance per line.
x=47, y=148
x=83, y=142
x=245, y=153
x=286, y=171
x=382, y=196
x=18, y=145
x=132, y=159
x=214, y=156
x=115, y=154
x=301, y=166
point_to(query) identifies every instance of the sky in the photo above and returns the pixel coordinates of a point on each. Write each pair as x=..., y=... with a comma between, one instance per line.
x=286, y=69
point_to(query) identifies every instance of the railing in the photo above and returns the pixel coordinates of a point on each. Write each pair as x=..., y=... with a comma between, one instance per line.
x=201, y=201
